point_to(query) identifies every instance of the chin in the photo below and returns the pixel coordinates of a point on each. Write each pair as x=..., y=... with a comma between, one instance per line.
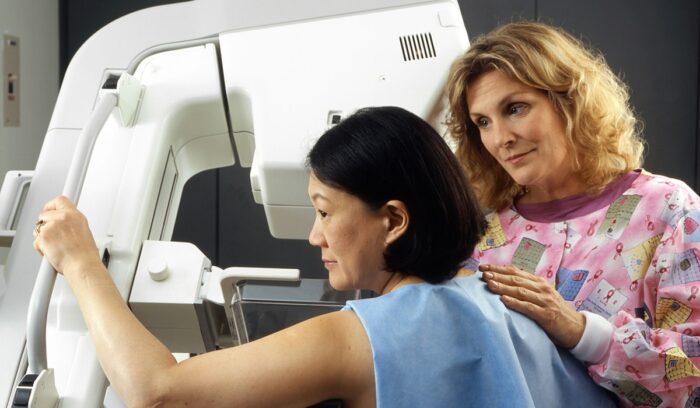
x=522, y=179
x=338, y=284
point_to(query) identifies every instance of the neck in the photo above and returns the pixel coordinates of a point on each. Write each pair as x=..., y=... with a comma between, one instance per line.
x=397, y=280
x=538, y=194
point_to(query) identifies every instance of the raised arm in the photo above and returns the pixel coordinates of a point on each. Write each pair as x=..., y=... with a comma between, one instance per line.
x=326, y=357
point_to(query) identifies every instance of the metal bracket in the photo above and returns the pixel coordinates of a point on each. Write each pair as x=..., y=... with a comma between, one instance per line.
x=36, y=391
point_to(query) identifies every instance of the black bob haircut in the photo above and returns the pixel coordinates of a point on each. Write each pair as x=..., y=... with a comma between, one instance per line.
x=387, y=153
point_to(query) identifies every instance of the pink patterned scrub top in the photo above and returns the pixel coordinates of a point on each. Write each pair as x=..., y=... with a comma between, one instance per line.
x=630, y=256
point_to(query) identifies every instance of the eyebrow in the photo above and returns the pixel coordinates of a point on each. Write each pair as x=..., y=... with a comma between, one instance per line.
x=318, y=196
x=508, y=98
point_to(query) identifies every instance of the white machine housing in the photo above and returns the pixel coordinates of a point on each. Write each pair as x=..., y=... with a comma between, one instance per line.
x=268, y=77
x=282, y=101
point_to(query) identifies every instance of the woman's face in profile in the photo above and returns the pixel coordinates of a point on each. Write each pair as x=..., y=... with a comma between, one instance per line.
x=351, y=236
x=521, y=129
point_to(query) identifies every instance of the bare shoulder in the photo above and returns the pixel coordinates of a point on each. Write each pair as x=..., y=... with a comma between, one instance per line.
x=340, y=341
x=327, y=357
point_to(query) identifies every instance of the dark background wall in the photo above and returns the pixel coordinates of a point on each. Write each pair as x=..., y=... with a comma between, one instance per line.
x=653, y=45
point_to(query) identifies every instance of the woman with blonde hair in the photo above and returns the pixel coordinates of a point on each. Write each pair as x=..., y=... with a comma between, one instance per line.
x=600, y=253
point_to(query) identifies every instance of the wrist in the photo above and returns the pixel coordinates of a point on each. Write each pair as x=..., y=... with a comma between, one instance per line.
x=83, y=268
x=576, y=332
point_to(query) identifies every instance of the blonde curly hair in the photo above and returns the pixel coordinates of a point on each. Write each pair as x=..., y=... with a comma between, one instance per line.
x=601, y=129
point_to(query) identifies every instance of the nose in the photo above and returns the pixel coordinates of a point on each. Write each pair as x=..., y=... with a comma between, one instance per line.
x=316, y=237
x=502, y=133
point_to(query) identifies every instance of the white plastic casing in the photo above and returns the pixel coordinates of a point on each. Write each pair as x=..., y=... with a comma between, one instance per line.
x=166, y=306
x=283, y=81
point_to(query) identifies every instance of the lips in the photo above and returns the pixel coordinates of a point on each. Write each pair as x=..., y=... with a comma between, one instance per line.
x=515, y=158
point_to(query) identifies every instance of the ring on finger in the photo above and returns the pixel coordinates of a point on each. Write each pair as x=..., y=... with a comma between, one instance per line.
x=38, y=225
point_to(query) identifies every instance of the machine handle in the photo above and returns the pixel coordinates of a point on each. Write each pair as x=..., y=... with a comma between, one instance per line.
x=12, y=193
x=221, y=282
x=41, y=294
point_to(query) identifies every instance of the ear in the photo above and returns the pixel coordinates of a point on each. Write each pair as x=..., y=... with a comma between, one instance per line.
x=397, y=220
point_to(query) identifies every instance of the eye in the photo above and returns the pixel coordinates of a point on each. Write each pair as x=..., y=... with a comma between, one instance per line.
x=481, y=122
x=516, y=108
x=322, y=213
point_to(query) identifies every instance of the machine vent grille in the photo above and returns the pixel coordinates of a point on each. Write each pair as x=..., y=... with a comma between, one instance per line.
x=417, y=46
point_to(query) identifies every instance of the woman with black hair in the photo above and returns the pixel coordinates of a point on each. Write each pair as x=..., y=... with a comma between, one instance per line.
x=395, y=214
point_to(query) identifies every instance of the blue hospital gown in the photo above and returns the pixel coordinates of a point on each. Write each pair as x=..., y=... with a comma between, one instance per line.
x=456, y=345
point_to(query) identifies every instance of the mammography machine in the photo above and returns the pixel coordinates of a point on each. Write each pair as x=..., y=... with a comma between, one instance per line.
x=164, y=93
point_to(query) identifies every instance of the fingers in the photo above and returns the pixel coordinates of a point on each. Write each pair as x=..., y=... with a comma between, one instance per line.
x=527, y=281
x=62, y=233
x=508, y=270
x=528, y=309
x=50, y=206
x=534, y=297
x=58, y=209
x=37, y=248
x=508, y=280
x=497, y=268
x=37, y=227
x=563, y=325
x=528, y=291
x=58, y=203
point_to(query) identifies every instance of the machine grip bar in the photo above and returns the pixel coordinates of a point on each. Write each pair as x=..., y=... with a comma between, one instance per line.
x=41, y=294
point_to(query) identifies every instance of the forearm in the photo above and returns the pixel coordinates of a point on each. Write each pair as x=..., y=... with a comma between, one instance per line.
x=132, y=358
x=649, y=364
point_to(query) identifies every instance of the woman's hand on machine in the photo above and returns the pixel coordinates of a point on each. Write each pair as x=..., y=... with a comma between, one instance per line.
x=534, y=297
x=63, y=236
